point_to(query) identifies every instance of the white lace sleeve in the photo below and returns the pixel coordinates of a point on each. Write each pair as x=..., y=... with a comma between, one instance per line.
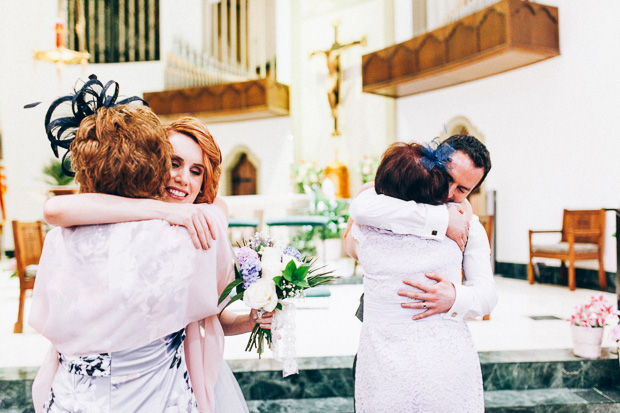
x=357, y=233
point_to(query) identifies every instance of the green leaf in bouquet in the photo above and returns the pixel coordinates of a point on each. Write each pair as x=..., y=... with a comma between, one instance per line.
x=300, y=273
x=301, y=283
x=320, y=278
x=232, y=300
x=279, y=306
x=228, y=289
x=278, y=281
x=289, y=271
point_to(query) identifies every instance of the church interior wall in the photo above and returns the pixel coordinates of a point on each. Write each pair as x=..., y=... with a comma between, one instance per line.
x=549, y=128
x=268, y=141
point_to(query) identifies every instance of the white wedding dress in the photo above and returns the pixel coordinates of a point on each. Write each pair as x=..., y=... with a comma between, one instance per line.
x=429, y=365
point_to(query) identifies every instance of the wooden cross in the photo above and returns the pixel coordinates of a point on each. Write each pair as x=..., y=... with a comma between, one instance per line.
x=332, y=55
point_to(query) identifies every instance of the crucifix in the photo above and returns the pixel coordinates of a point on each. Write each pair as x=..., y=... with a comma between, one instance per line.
x=332, y=55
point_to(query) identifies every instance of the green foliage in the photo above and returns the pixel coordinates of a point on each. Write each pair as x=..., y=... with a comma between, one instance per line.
x=55, y=175
x=306, y=173
x=338, y=213
x=304, y=241
x=368, y=168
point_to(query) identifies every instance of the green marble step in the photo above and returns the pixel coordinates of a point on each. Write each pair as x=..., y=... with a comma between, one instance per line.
x=553, y=400
x=499, y=401
x=331, y=378
x=327, y=377
x=547, y=369
x=322, y=405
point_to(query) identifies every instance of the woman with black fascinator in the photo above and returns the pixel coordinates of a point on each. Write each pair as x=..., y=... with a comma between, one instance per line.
x=115, y=300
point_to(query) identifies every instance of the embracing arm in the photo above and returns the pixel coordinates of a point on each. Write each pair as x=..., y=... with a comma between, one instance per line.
x=409, y=217
x=91, y=209
x=477, y=296
x=351, y=245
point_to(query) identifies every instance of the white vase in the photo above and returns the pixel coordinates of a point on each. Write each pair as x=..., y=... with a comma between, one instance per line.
x=587, y=341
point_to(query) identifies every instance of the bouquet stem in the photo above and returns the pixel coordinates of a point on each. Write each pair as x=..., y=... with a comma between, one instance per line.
x=258, y=336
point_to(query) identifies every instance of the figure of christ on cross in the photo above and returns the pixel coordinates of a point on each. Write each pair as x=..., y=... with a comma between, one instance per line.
x=332, y=55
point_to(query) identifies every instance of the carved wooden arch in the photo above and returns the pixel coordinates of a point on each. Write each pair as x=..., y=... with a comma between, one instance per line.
x=460, y=125
x=230, y=161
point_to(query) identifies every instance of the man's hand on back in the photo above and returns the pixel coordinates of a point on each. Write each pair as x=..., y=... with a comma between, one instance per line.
x=458, y=223
x=435, y=298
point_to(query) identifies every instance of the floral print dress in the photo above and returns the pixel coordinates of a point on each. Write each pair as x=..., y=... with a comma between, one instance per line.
x=152, y=378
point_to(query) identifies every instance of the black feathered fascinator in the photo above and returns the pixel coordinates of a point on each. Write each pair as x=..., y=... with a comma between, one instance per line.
x=92, y=96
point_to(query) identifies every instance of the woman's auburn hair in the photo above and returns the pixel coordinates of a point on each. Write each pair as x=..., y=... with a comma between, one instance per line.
x=122, y=150
x=211, y=155
x=401, y=175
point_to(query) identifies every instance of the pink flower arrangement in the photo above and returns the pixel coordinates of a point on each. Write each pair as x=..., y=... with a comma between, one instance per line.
x=595, y=313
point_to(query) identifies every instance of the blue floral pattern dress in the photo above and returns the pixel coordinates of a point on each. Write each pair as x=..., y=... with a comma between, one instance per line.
x=152, y=378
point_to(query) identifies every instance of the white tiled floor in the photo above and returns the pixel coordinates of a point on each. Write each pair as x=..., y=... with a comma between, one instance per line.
x=331, y=329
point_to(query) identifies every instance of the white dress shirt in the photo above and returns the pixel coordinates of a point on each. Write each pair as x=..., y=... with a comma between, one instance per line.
x=477, y=295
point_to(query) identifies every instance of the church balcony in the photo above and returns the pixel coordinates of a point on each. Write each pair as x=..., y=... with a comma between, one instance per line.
x=502, y=37
x=252, y=99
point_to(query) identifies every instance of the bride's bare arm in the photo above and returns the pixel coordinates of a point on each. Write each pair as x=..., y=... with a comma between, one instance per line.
x=90, y=209
x=233, y=323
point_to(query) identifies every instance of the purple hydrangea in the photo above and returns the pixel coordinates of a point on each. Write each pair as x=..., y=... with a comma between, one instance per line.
x=292, y=252
x=243, y=254
x=259, y=240
x=250, y=271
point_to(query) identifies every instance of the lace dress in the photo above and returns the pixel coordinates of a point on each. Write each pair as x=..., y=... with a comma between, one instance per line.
x=430, y=365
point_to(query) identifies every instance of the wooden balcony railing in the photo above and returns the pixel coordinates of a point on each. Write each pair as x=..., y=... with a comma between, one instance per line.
x=504, y=36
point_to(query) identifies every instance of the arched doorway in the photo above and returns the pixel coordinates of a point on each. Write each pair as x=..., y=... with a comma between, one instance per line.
x=244, y=177
x=240, y=172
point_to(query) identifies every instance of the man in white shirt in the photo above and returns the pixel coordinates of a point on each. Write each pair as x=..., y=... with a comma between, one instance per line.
x=468, y=166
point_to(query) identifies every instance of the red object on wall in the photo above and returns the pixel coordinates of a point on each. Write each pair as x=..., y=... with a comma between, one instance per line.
x=60, y=31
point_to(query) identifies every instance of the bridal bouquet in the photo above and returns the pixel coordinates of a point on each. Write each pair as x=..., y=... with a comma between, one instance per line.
x=268, y=276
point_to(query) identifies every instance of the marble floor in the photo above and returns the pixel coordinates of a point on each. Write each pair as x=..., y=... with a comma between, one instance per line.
x=327, y=326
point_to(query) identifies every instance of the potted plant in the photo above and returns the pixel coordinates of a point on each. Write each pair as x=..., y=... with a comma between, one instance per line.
x=337, y=211
x=587, y=324
x=307, y=174
x=60, y=182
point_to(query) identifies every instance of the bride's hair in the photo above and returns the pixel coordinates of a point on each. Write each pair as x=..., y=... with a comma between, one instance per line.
x=402, y=175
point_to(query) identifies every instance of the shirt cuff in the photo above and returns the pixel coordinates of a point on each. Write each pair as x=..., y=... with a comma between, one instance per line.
x=436, y=223
x=462, y=303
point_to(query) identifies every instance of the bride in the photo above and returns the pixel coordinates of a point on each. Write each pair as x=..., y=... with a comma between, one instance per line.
x=428, y=365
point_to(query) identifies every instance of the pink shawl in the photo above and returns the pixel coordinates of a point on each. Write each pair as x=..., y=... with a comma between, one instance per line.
x=107, y=288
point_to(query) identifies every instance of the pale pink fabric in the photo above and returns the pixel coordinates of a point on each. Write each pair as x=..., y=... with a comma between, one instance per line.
x=204, y=351
x=107, y=288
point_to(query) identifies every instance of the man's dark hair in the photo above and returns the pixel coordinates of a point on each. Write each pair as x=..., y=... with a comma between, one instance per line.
x=472, y=147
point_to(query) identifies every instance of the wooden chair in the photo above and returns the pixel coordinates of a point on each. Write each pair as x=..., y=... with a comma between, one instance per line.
x=487, y=222
x=583, y=238
x=28, y=238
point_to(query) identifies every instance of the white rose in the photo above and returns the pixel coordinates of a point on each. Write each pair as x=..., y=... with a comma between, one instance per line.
x=261, y=295
x=271, y=262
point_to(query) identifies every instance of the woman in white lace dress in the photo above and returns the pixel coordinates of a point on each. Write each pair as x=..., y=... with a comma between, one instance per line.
x=429, y=365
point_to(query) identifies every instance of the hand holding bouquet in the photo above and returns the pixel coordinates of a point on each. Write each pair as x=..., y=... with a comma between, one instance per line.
x=267, y=274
